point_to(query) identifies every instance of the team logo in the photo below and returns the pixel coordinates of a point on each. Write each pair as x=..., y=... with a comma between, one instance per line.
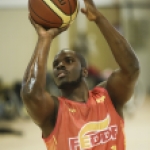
x=93, y=134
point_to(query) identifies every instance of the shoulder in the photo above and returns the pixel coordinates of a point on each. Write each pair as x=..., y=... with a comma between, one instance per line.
x=101, y=93
x=103, y=86
x=100, y=88
x=98, y=91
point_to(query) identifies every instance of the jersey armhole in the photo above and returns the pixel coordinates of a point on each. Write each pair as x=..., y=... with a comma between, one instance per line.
x=57, y=120
x=109, y=101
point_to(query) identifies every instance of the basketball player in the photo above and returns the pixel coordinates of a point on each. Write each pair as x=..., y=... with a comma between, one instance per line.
x=80, y=119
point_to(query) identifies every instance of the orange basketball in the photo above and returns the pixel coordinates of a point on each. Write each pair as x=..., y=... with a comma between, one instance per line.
x=53, y=13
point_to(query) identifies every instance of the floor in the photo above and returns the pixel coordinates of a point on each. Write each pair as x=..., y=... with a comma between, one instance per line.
x=25, y=135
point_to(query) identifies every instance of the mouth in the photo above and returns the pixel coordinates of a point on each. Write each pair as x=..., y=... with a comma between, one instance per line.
x=61, y=74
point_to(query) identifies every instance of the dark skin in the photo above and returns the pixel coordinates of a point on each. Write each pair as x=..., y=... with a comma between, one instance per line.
x=67, y=68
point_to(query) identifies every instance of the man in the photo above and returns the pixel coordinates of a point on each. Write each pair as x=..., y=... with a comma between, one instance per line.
x=80, y=119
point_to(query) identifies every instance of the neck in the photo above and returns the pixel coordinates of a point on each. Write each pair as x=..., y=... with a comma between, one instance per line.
x=78, y=94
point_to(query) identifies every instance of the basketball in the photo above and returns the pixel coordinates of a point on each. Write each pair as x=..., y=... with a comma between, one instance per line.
x=53, y=13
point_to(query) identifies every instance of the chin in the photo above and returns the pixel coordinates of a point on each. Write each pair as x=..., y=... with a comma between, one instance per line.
x=69, y=85
x=64, y=85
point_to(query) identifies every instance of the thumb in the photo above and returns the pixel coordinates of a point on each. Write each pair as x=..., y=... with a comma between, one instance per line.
x=56, y=31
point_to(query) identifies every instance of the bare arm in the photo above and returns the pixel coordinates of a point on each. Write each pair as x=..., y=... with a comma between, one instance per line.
x=39, y=104
x=121, y=83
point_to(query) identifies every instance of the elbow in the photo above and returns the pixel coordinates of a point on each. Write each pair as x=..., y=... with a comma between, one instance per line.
x=26, y=92
x=29, y=92
x=132, y=70
x=135, y=71
x=138, y=72
x=28, y=88
x=137, y=68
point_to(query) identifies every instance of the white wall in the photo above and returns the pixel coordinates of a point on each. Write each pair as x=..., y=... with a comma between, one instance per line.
x=136, y=24
x=17, y=40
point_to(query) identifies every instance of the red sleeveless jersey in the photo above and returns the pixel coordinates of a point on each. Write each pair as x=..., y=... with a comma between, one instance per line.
x=94, y=125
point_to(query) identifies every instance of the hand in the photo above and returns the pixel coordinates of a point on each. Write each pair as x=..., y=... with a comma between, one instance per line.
x=47, y=34
x=90, y=10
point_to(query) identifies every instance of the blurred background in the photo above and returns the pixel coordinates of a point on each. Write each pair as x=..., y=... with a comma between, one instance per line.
x=17, y=42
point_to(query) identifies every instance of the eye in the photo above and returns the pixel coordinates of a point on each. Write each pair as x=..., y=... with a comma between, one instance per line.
x=69, y=60
x=55, y=64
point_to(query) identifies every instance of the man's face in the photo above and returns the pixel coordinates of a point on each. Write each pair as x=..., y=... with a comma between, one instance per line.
x=67, y=70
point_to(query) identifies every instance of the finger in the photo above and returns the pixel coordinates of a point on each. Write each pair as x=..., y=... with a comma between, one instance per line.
x=33, y=22
x=64, y=28
x=59, y=30
x=84, y=11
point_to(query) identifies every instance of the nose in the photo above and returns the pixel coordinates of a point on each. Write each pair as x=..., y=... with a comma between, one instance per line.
x=61, y=65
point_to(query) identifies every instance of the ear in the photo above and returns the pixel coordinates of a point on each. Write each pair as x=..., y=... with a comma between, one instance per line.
x=84, y=72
